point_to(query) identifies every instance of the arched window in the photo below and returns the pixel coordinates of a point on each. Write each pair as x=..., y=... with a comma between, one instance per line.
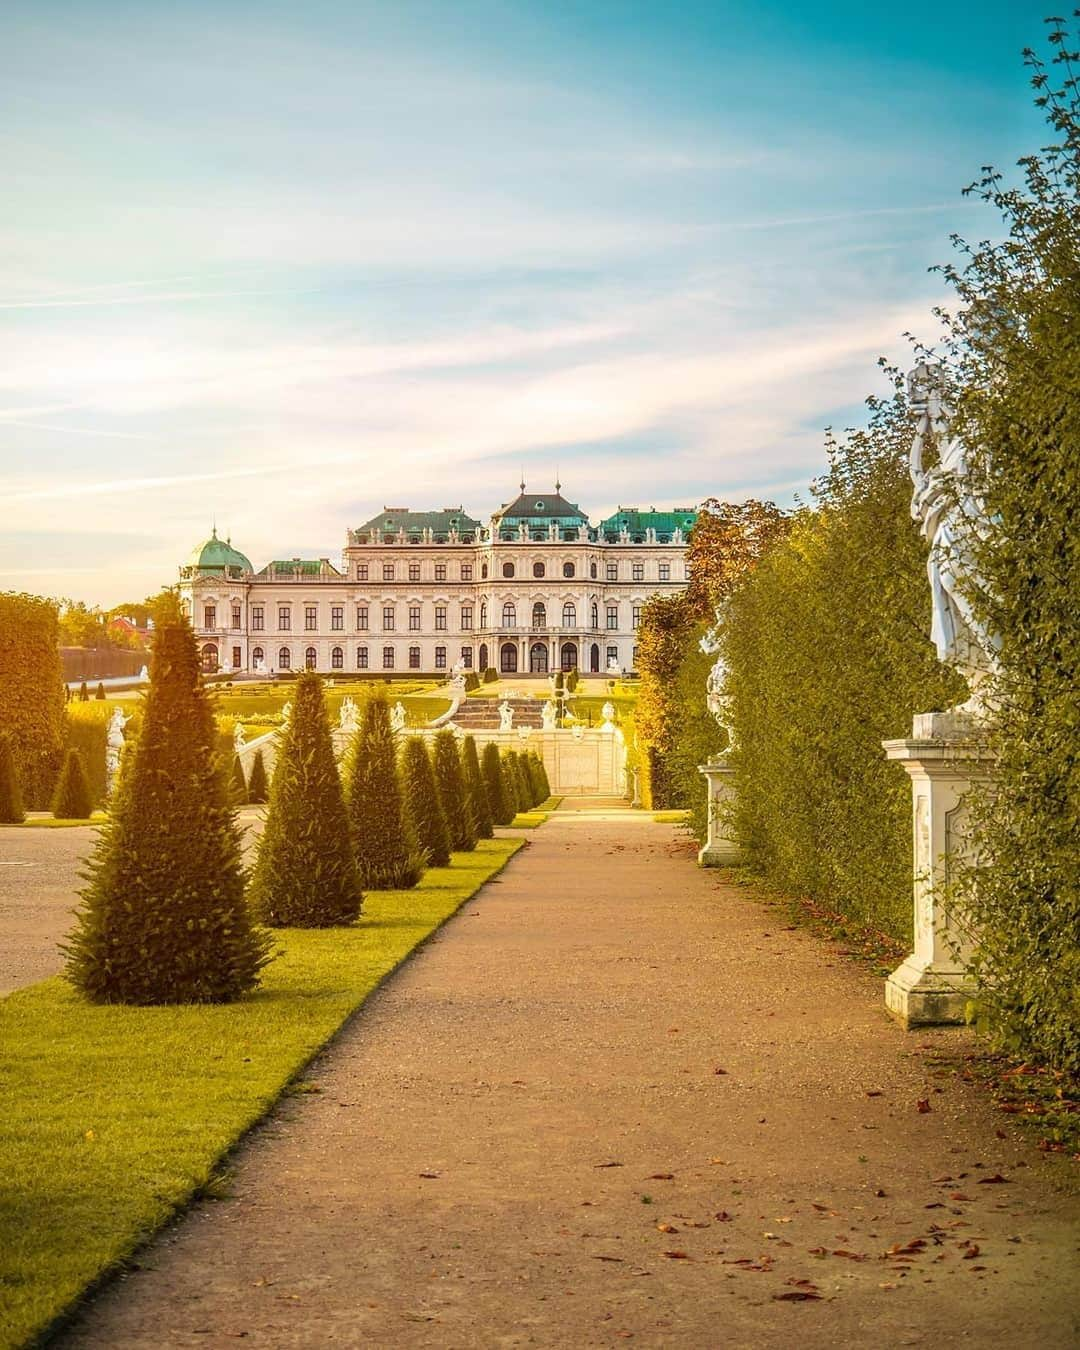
x=483, y=613
x=484, y=570
x=568, y=569
x=257, y=656
x=539, y=619
x=209, y=658
x=284, y=659
x=508, y=569
x=569, y=615
x=538, y=569
x=361, y=658
x=508, y=658
x=311, y=658
x=509, y=619
x=483, y=656
x=592, y=571
x=594, y=621
x=337, y=659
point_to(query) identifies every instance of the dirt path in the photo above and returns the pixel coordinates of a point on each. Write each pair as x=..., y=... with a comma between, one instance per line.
x=526, y=1139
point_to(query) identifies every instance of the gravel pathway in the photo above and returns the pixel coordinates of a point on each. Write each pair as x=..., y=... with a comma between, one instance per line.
x=617, y=1100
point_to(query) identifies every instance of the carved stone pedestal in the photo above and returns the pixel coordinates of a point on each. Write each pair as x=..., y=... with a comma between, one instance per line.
x=720, y=849
x=944, y=757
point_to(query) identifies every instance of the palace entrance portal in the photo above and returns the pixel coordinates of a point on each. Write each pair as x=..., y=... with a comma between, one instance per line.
x=538, y=658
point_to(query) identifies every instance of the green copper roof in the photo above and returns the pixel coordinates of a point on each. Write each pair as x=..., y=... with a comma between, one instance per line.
x=637, y=522
x=218, y=555
x=307, y=567
x=392, y=519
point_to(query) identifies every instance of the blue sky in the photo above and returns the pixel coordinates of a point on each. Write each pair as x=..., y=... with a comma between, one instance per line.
x=281, y=264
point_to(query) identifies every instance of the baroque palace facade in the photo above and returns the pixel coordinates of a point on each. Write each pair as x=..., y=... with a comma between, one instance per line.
x=538, y=589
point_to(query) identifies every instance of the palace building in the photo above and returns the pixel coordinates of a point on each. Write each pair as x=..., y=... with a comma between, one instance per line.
x=537, y=589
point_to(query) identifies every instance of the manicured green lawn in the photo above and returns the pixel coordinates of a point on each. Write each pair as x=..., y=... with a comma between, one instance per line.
x=670, y=817
x=529, y=820
x=114, y=1117
x=51, y=823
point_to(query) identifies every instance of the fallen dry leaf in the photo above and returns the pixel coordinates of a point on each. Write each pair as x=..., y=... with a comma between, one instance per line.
x=722, y=1216
x=660, y=1176
x=678, y=1256
x=796, y=1296
x=996, y=1180
x=959, y=1195
x=608, y=1164
x=666, y=1228
x=922, y=1105
x=970, y=1252
x=851, y=1256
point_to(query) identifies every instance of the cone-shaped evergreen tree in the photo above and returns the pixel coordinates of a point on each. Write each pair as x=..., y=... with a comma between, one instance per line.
x=11, y=807
x=424, y=806
x=305, y=873
x=72, y=799
x=474, y=785
x=239, y=783
x=520, y=793
x=452, y=793
x=257, y=784
x=84, y=693
x=545, y=782
x=533, y=776
x=100, y=691
x=502, y=808
x=383, y=838
x=163, y=918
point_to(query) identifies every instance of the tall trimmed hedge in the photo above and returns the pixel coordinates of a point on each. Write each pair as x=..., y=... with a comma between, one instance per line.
x=503, y=806
x=32, y=692
x=11, y=801
x=382, y=833
x=424, y=803
x=453, y=793
x=72, y=799
x=477, y=789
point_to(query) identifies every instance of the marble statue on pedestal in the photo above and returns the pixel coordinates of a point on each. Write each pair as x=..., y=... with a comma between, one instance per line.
x=286, y=715
x=549, y=713
x=506, y=716
x=114, y=744
x=348, y=716
x=238, y=738
x=607, y=712
x=716, y=699
x=397, y=717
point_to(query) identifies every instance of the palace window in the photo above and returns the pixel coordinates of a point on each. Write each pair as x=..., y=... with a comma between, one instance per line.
x=388, y=618
x=388, y=571
x=361, y=658
x=466, y=657
x=509, y=619
x=538, y=569
x=612, y=654
x=236, y=658
x=388, y=658
x=592, y=570
x=337, y=659
x=337, y=618
x=637, y=571
x=613, y=616
x=539, y=615
x=284, y=659
x=466, y=617
x=209, y=616
x=440, y=618
x=361, y=571
x=414, y=571
x=414, y=618
x=612, y=571
x=466, y=571
x=569, y=615
x=665, y=571
x=568, y=569
x=284, y=619
x=484, y=570
x=635, y=615
x=594, y=615
x=311, y=658
x=508, y=569
x=635, y=656
x=311, y=618
x=414, y=658
x=362, y=617
x=440, y=571
x=483, y=613
x=236, y=616
x=257, y=656
x=440, y=658
x=257, y=618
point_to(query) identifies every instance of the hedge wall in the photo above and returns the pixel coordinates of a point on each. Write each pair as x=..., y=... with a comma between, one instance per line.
x=32, y=692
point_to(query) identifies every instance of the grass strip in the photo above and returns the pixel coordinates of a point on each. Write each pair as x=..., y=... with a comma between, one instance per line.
x=670, y=817
x=114, y=1118
x=529, y=820
x=51, y=822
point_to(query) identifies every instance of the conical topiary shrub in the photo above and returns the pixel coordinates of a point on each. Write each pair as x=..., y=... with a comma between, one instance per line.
x=163, y=918
x=474, y=786
x=84, y=693
x=305, y=873
x=11, y=807
x=521, y=795
x=384, y=842
x=452, y=793
x=100, y=691
x=499, y=802
x=257, y=785
x=545, y=782
x=239, y=783
x=72, y=799
x=540, y=779
x=423, y=803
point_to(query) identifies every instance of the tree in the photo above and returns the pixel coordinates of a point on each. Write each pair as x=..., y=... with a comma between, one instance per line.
x=425, y=808
x=72, y=799
x=383, y=838
x=521, y=795
x=32, y=693
x=239, y=782
x=545, y=782
x=257, y=784
x=163, y=918
x=502, y=807
x=84, y=693
x=305, y=874
x=452, y=793
x=100, y=691
x=475, y=786
x=726, y=541
x=11, y=807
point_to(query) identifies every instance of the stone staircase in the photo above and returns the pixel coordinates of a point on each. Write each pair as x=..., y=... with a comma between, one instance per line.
x=482, y=714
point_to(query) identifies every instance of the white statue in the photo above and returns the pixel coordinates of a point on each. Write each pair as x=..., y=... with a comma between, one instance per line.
x=607, y=712
x=716, y=698
x=286, y=715
x=397, y=717
x=238, y=738
x=950, y=518
x=506, y=716
x=549, y=713
x=613, y=666
x=347, y=715
x=114, y=744
x=144, y=675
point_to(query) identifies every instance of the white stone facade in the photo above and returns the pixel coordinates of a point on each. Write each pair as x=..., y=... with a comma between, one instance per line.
x=422, y=601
